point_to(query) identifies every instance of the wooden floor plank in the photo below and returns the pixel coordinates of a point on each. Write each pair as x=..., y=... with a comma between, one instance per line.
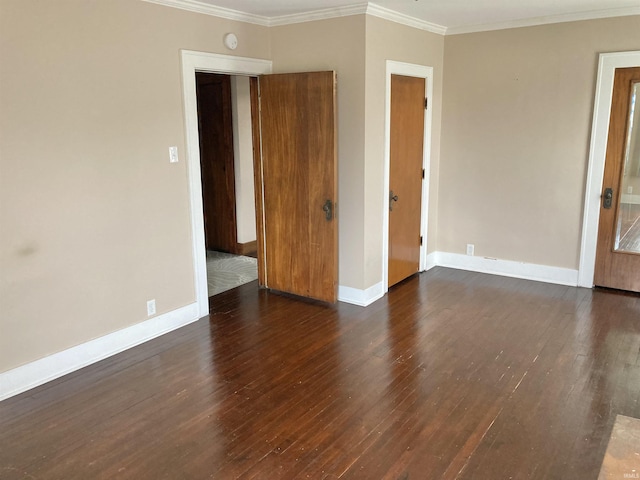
x=451, y=375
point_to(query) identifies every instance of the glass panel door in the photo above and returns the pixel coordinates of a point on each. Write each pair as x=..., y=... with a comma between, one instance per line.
x=628, y=220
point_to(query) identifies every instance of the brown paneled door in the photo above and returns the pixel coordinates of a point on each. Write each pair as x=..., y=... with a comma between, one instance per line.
x=618, y=249
x=299, y=178
x=405, y=175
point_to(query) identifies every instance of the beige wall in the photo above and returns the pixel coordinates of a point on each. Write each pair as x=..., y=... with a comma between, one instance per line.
x=357, y=47
x=243, y=159
x=337, y=44
x=391, y=41
x=516, y=125
x=94, y=219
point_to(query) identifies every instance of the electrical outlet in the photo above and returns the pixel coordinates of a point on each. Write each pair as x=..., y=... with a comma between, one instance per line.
x=173, y=154
x=629, y=190
x=470, y=249
x=151, y=307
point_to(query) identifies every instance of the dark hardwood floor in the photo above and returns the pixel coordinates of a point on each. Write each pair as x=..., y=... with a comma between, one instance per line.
x=451, y=375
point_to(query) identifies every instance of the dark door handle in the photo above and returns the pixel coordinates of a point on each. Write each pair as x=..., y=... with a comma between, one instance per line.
x=607, y=198
x=328, y=210
x=392, y=198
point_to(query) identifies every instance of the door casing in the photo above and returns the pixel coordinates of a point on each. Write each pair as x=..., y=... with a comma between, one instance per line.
x=193, y=62
x=607, y=65
x=420, y=71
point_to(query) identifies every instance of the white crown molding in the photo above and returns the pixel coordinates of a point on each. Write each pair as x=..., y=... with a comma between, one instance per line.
x=393, y=16
x=324, y=14
x=532, y=22
x=208, y=9
x=374, y=10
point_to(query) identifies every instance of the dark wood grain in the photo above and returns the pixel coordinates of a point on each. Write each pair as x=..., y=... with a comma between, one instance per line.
x=299, y=168
x=215, y=130
x=451, y=375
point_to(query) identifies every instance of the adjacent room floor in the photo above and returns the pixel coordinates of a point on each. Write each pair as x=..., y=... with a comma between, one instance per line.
x=226, y=271
x=451, y=375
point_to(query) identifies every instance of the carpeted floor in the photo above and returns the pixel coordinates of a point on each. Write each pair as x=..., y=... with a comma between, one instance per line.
x=226, y=271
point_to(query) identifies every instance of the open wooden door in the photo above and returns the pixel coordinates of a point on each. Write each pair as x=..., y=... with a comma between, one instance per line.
x=299, y=183
x=405, y=176
x=618, y=249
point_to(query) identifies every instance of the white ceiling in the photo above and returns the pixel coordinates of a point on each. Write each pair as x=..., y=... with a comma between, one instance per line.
x=451, y=14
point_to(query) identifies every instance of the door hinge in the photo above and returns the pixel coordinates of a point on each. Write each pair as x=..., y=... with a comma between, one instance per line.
x=426, y=103
x=423, y=173
x=420, y=240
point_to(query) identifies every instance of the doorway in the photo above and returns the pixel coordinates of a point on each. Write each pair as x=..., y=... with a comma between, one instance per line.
x=413, y=87
x=287, y=128
x=226, y=166
x=193, y=62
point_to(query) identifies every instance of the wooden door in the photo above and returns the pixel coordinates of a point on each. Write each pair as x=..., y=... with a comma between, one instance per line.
x=215, y=129
x=299, y=181
x=618, y=249
x=405, y=175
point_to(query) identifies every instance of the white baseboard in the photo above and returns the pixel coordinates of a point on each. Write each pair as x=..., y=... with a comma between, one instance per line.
x=359, y=297
x=508, y=268
x=36, y=373
x=431, y=261
x=505, y=268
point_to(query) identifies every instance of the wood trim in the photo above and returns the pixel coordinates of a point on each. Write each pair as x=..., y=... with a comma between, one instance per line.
x=247, y=248
x=254, y=88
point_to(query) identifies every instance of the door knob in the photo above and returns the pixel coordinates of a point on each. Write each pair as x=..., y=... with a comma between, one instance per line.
x=328, y=210
x=607, y=198
x=392, y=198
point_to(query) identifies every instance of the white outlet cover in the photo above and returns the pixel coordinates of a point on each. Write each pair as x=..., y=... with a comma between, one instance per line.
x=173, y=154
x=151, y=307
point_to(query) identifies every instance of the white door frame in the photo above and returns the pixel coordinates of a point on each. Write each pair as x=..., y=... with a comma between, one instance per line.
x=597, y=156
x=193, y=62
x=419, y=71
